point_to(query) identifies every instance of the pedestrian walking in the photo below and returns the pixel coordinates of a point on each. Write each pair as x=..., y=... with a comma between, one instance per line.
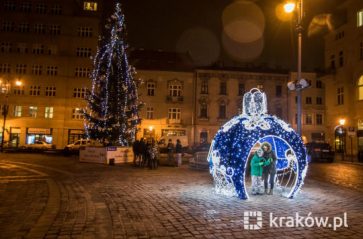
x=142, y=152
x=135, y=149
x=170, y=148
x=178, y=151
x=153, y=153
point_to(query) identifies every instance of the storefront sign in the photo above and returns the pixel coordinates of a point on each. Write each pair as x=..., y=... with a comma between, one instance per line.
x=39, y=131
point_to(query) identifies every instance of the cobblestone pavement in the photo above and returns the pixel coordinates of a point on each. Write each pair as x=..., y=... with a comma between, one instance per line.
x=49, y=196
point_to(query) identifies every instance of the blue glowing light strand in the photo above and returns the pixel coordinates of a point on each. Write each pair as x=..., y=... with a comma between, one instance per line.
x=234, y=141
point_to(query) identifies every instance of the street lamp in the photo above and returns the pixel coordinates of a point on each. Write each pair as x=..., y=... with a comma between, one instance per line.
x=289, y=7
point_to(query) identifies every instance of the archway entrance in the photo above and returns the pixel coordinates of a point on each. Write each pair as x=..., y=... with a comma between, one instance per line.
x=286, y=166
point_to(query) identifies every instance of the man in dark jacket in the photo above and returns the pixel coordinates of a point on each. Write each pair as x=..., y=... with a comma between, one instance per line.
x=135, y=149
x=269, y=170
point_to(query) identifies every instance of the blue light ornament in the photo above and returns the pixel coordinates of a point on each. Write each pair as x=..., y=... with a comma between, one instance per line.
x=234, y=142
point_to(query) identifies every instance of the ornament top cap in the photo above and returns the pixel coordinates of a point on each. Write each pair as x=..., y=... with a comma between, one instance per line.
x=254, y=103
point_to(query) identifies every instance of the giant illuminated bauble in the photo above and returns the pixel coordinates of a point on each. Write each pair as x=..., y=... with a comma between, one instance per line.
x=230, y=150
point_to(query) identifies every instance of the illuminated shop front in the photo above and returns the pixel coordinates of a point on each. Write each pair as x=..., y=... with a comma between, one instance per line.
x=39, y=134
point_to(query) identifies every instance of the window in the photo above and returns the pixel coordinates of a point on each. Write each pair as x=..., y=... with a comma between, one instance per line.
x=341, y=59
x=223, y=88
x=241, y=89
x=26, y=6
x=19, y=90
x=360, y=88
x=174, y=115
x=20, y=69
x=175, y=89
x=278, y=91
x=278, y=111
x=52, y=70
x=308, y=101
x=260, y=87
x=222, y=110
x=203, y=111
x=54, y=29
x=204, y=86
x=361, y=51
x=83, y=52
x=82, y=72
x=79, y=93
x=319, y=84
x=24, y=27
x=10, y=5
x=340, y=96
x=149, y=113
x=309, y=119
x=38, y=49
x=56, y=9
x=5, y=68
x=360, y=18
x=319, y=100
x=319, y=119
x=150, y=88
x=50, y=91
x=85, y=31
x=41, y=8
x=22, y=48
x=48, y=113
x=77, y=113
x=39, y=28
x=17, y=111
x=5, y=47
x=8, y=26
x=90, y=6
x=33, y=111
x=332, y=61
x=34, y=90
x=37, y=70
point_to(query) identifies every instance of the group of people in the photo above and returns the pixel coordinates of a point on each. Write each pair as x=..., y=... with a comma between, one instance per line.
x=263, y=168
x=146, y=153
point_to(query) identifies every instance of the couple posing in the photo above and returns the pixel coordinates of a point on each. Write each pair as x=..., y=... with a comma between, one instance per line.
x=263, y=167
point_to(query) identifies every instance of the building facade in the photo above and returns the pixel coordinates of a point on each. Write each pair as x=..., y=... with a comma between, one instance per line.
x=344, y=82
x=45, y=47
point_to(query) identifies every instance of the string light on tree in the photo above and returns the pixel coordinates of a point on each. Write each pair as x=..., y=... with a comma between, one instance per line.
x=111, y=115
x=233, y=143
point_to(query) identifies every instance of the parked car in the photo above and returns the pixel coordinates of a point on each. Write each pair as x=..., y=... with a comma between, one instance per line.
x=40, y=146
x=320, y=152
x=75, y=146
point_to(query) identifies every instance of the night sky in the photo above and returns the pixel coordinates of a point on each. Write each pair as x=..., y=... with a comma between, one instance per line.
x=197, y=26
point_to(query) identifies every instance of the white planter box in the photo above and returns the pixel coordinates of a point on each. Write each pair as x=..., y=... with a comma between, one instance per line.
x=104, y=154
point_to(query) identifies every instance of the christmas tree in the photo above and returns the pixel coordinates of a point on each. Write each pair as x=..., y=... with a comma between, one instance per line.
x=111, y=116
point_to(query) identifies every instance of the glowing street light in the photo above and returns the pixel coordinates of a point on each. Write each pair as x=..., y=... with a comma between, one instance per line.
x=18, y=83
x=289, y=7
x=342, y=122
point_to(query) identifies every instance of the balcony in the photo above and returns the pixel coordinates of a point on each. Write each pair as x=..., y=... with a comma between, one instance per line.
x=174, y=99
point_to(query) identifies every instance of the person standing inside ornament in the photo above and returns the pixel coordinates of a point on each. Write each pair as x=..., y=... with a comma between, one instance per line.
x=256, y=172
x=269, y=169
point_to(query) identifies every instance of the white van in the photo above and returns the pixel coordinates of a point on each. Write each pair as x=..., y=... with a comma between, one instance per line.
x=75, y=146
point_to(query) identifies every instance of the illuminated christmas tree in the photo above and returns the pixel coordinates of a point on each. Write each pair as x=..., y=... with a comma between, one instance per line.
x=111, y=115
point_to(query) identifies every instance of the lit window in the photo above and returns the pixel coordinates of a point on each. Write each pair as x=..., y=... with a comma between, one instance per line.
x=48, y=112
x=360, y=88
x=90, y=6
x=174, y=115
x=33, y=111
x=360, y=18
x=17, y=111
x=77, y=113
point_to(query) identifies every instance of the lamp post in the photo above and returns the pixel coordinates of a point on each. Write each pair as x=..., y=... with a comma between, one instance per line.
x=289, y=8
x=5, y=89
